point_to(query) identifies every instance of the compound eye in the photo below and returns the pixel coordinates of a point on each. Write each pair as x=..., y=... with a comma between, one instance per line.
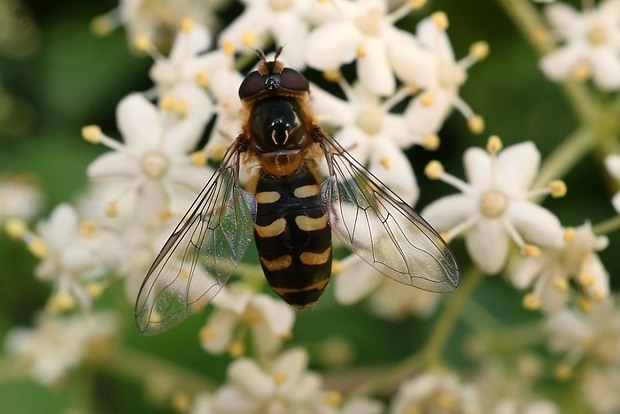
x=252, y=84
x=293, y=80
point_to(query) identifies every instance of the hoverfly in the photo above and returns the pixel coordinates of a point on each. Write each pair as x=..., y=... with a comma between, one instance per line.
x=292, y=208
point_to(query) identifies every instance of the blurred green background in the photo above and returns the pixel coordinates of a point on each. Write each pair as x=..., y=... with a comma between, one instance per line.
x=74, y=78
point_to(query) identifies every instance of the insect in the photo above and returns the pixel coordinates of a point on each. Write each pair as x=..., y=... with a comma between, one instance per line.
x=305, y=187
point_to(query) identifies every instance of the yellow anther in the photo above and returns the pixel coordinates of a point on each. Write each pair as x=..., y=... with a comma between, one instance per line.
x=279, y=377
x=181, y=402
x=16, y=228
x=333, y=398
x=417, y=4
x=427, y=99
x=248, y=38
x=494, y=144
x=216, y=152
x=361, y=52
x=94, y=289
x=252, y=316
x=167, y=103
x=582, y=72
x=111, y=209
x=202, y=78
x=431, y=142
x=569, y=234
x=180, y=107
x=434, y=170
x=236, y=349
x=38, y=247
x=187, y=24
x=142, y=43
x=61, y=302
x=475, y=123
x=479, y=50
x=332, y=75
x=586, y=279
x=385, y=162
x=228, y=47
x=336, y=267
x=88, y=227
x=557, y=188
x=560, y=284
x=531, y=302
x=446, y=401
x=599, y=295
x=199, y=158
x=206, y=334
x=563, y=371
x=530, y=250
x=101, y=25
x=584, y=304
x=440, y=19
x=92, y=134
x=164, y=215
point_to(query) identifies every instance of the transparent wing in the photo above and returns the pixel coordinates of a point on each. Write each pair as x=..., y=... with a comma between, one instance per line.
x=381, y=228
x=201, y=253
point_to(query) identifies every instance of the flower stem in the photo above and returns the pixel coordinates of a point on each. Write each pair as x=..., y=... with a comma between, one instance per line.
x=607, y=226
x=431, y=354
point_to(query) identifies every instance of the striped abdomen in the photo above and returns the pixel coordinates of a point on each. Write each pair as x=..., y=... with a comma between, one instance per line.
x=293, y=237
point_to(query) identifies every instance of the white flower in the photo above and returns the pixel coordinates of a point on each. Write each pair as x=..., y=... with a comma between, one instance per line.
x=573, y=258
x=429, y=393
x=284, y=387
x=237, y=308
x=439, y=76
x=612, y=162
x=592, y=45
x=70, y=253
x=20, y=197
x=494, y=206
x=387, y=298
x=374, y=136
x=362, y=30
x=600, y=387
x=594, y=335
x=285, y=20
x=59, y=344
x=154, y=162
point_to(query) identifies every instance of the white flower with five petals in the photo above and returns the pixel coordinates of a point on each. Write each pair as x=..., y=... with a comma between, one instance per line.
x=592, y=44
x=495, y=205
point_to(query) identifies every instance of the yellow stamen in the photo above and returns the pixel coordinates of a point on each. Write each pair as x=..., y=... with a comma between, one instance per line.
x=248, y=38
x=332, y=75
x=187, y=24
x=434, y=170
x=440, y=19
x=530, y=250
x=16, y=228
x=479, y=50
x=431, y=142
x=92, y=134
x=569, y=234
x=361, y=52
x=142, y=43
x=475, y=124
x=38, y=247
x=557, y=188
x=531, y=302
x=494, y=144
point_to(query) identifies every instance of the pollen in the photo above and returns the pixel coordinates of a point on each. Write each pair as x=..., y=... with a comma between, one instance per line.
x=431, y=142
x=88, y=227
x=336, y=267
x=187, y=24
x=142, y=43
x=164, y=215
x=111, y=209
x=333, y=75
x=102, y=25
x=494, y=145
x=475, y=123
x=167, y=103
x=563, y=371
x=584, y=304
x=236, y=349
x=557, y=188
x=440, y=19
x=427, y=99
x=569, y=234
x=279, y=377
x=94, y=289
x=434, y=170
x=206, y=334
x=248, y=38
x=417, y=4
x=92, y=134
x=581, y=72
x=333, y=398
x=446, y=401
x=586, y=279
x=385, y=162
x=199, y=158
x=202, y=78
x=228, y=47
x=38, y=247
x=479, y=50
x=597, y=35
x=560, y=284
x=361, y=52
x=530, y=250
x=493, y=204
x=61, y=302
x=252, y=316
x=181, y=401
x=16, y=228
x=531, y=302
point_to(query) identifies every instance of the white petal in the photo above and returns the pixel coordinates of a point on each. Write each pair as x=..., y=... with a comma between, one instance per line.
x=188, y=44
x=231, y=400
x=292, y=363
x=221, y=324
x=190, y=176
x=412, y=64
x=355, y=142
x=447, y=212
x=478, y=168
x=612, y=162
x=305, y=390
x=535, y=223
x=517, y=166
x=332, y=44
x=248, y=376
x=278, y=316
x=424, y=119
x=559, y=64
x=390, y=165
x=487, y=244
x=289, y=29
x=61, y=227
x=595, y=267
x=563, y=17
x=615, y=201
x=435, y=39
x=356, y=280
x=374, y=70
x=606, y=68
x=113, y=164
x=138, y=122
x=526, y=271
